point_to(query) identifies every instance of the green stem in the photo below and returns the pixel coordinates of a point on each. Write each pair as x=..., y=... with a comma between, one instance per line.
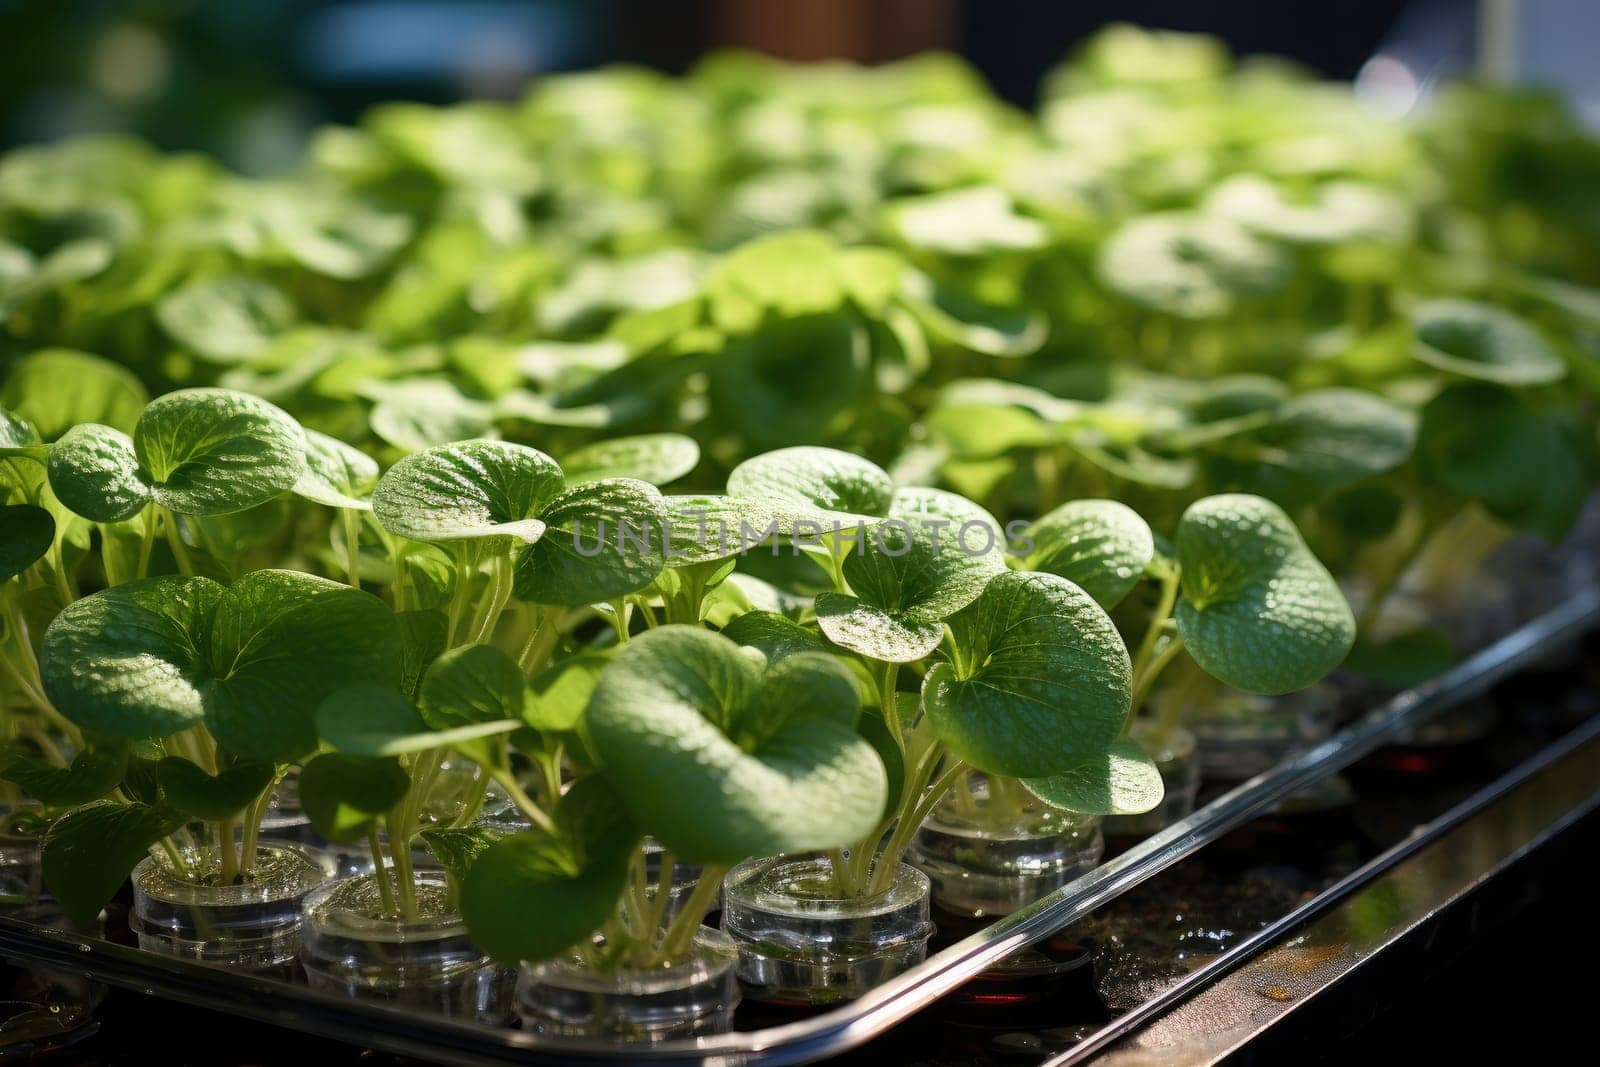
x=474, y=804
x=180, y=551
x=230, y=858
x=1391, y=578
x=888, y=862
x=668, y=863
x=549, y=765
x=385, y=893
x=1143, y=682
x=467, y=559
x=888, y=703
x=499, y=595
x=680, y=935
x=620, y=611
x=541, y=640
x=58, y=570
x=252, y=823
x=1158, y=621
x=46, y=746
x=180, y=865
x=841, y=870
x=534, y=814
x=352, y=545
x=147, y=541
x=400, y=855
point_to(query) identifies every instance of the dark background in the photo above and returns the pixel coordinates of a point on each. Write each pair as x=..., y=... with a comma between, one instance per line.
x=247, y=79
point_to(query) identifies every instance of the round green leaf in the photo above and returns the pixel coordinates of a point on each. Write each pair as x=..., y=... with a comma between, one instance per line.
x=215, y=451
x=225, y=320
x=126, y=660
x=775, y=636
x=1333, y=213
x=816, y=485
x=657, y=458
x=344, y=796
x=468, y=490
x=26, y=534
x=557, y=696
x=793, y=274
x=1123, y=780
x=369, y=720
x=95, y=473
x=471, y=685
x=415, y=414
x=953, y=317
x=1040, y=680
x=336, y=474
x=58, y=388
x=373, y=721
x=1193, y=266
x=88, y=853
x=705, y=528
x=1483, y=342
x=1258, y=610
x=791, y=379
x=533, y=895
x=1101, y=546
x=253, y=661
x=197, y=794
x=1526, y=466
x=721, y=758
x=966, y=222
x=1316, y=442
x=603, y=540
x=280, y=642
x=931, y=557
x=94, y=772
x=334, y=235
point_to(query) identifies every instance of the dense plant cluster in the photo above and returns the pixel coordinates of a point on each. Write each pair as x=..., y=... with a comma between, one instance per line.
x=410, y=457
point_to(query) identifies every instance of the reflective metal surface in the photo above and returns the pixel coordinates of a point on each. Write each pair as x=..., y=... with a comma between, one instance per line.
x=1386, y=901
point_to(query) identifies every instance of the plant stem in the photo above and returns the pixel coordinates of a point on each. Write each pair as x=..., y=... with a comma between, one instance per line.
x=534, y=814
x=58, y=571
x=1391, y=578
x=667, y=865
x=500, y=570
x=385, y=893
x=352, y=545
x=841, y=870
x=620, y=611
x=252, y=824
x=147, y=541
x=888, y=704
x=180, y=864
x=230, y=858
x=474, y=804
x=888, y=861
x=1158, y=621
x=1143, y=682
x=680, y=934
x=549, y=765
x=546, y=631
x=400, y=855
x=466, y=559
x=180, y=551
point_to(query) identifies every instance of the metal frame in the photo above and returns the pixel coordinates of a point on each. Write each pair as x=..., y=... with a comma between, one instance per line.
x=853, y=1024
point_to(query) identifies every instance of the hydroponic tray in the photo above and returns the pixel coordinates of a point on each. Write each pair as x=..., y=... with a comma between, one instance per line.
x=798, y=1040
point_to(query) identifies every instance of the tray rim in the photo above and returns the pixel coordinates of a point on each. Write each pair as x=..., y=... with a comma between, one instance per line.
x=846, y=1026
